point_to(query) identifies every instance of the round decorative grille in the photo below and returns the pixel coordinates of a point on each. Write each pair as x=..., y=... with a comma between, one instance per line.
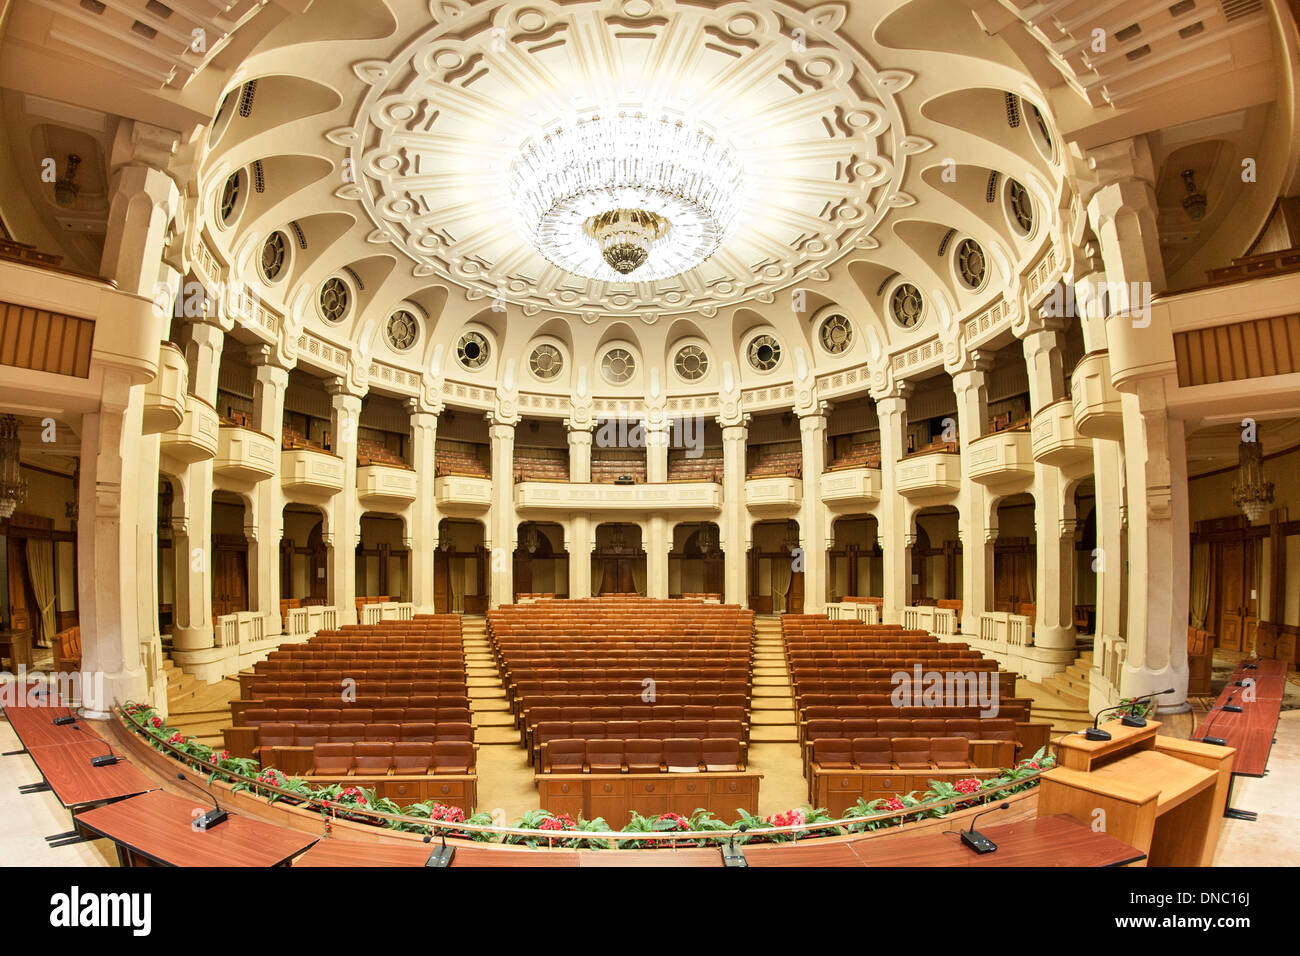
x=402, y=330
x=1022, y=206
x=971, y=264
x=274, y=251
x=473, y=350
x=618, y=366
x=764, y=353
x=334, y=299
x=836, y=334
x=546, y=362
x=691, y=363
x=906, y=304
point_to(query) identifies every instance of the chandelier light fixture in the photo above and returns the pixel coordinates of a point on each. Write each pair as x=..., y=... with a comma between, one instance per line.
x=1250, y=492
x=626, y=197
x=13, y=486
x=1195, y=202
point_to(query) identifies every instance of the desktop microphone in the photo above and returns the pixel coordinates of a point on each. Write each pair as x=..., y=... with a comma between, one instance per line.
x=103, y=760
x=1129, y=720
x=976, y=840
x=214, y=816
x=65, y=720
x=733, y=856
x=442, y=856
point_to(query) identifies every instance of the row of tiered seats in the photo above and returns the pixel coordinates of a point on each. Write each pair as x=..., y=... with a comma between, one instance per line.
x=375, y=453
x=291, y=438
x=778, y=460
x=705, y=468
x=865, y=455
x=541, y=464
x=460, y=458
x=605, y=685
x=369, y=689
x=606, y=470
x=869, y=725
x=643, y=755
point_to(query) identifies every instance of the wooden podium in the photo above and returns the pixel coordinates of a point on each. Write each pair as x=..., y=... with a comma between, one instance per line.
x=1162, y=795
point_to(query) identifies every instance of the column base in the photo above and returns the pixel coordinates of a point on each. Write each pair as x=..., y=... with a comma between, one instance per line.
x=192, y=638
x=1038, y=663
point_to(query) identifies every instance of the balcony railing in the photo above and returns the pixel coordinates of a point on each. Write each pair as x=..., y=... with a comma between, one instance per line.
x=1056, y=441
x=929, y=474
x=1002, y=458
x=1097, y=412
x=673, y=496
x=164, y=397
x=308, y=472
x=776, y=494
x=195, y=438
x=244, y=455
x=386, y=487
x=851, y=487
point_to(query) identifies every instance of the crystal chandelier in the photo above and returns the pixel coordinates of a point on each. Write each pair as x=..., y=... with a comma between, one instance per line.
x=13, y=486
x=626, y=197
x=1251, y=492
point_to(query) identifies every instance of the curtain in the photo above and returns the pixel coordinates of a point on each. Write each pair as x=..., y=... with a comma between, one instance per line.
x=456, y=579
x=40, y=569
x=1030, y=578
x=597, y=576
x=638, y=576
x=782, y=571
x=1199, y=606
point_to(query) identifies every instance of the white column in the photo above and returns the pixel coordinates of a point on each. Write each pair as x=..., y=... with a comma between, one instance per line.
x=1054, y=635
x=735, y=514
x=656, y=452
x=269, y=385
x=192, y=548
x=108, y=599
x=971, y=388
x=891, y=515
x=346, y=408
x=660, y=538
x=424, y=512
x=812, y=516
x=579, y=451
x=501, y=570
x=579, y=544
x=1123, y=214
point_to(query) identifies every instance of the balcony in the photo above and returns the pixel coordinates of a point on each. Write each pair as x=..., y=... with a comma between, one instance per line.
x=244, y=455
x=775, y=495
x=850, y=489
x=164, y=397
x=1097, y=411
x=463, y=495
x=386, y=487
x=660, y=497
x=929, y=474
x=1055, y=439
x=308, y=473
x=195, y=438
x=1001, y=459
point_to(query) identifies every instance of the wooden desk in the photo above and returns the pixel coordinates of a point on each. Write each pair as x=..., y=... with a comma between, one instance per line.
x=35, y=727
x=1251, y=732
x=66, y=768
x=155, y=828
x=1161, y=795
x=334, y=852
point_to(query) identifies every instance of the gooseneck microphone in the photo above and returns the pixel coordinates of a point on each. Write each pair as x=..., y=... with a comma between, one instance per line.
x=733, y=857
x=976, y=840
x=442, y=856
x=214, y=816
x=103, y=760
x=1129, y=720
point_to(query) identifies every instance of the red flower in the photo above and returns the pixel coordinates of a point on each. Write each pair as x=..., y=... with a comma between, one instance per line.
x=969, y=785
x=156, y=721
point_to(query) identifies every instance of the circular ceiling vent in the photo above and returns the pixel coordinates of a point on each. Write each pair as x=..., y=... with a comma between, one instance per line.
x=764, y=353
x=473, y=350
x=907, y=305
x=691, y=363
x=334, y=300
x=618, y=366
x=402, y=330
x=836, y=334
x=546, y=362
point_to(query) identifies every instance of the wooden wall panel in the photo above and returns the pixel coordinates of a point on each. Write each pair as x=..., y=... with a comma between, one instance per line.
x=45, y=341
x=1229, y=353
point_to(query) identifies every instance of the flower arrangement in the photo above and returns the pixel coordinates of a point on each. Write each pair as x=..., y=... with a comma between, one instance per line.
x=338, y=800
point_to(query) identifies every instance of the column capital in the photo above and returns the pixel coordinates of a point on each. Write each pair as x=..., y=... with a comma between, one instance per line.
x=813, y=417
x=264, y=355
x=499, y=430
x=580, y=425
x=977, y=362
x=418, y=409
x=340, y=389
x=496, y=420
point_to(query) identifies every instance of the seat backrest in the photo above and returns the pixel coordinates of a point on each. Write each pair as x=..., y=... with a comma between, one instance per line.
x=720, y=753
x=871, y=753
x=605, y=756
x=418, y=732
x=950, y=750
x=325, y=715
x=377, y=731
x=564, y=756
x=332, y=759
x=455, y=730
x=453, y=756
x=961, y=727
x=656, y=729
x=643, y=755
x=275, y=734
x=308, y=735
x=372, y=757
x=836, y=752
x=682, y=754
x=412, y=758
x=690, y=728
x=910, y=752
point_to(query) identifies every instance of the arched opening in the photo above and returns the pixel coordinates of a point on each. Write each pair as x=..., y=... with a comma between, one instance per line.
x=1015, y=557
x=460, y=568
x=230, y=584
x=696, y=561
x=1085, y=559
x=775, y=567
x=936, y=571
x=541, y=561
x=856, y=564
x=618, y=562
x=383, y=560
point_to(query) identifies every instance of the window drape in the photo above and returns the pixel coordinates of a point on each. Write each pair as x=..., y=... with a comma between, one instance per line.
x=638, y=576
x=597, y=576
x=456, y=578
x=782, y=572
x=40, y=569
x=1199, y=605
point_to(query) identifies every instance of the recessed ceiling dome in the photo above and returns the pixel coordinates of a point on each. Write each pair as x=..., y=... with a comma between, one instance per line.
x=609, y=197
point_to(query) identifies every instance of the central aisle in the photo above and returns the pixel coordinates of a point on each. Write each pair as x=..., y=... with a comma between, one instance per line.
x=773, y=724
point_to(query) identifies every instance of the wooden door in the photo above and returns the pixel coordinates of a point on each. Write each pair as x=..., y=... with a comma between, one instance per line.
x=1231, y=585
x=441, y=583
x=229, y=581
x=523, y=573
x=714, y=574
x=20, y=618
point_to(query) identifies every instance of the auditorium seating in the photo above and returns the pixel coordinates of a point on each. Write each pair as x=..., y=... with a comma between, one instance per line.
x=350, y=701
x=708, y=467
x=460, y=458
x=541, y=464
x=67, y=651
x=609, y=466
x=865, y=455
x=1200, y=662
x=783, y=459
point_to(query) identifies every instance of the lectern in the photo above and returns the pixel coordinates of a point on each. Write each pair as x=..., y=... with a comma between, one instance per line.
x=1163, y=795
